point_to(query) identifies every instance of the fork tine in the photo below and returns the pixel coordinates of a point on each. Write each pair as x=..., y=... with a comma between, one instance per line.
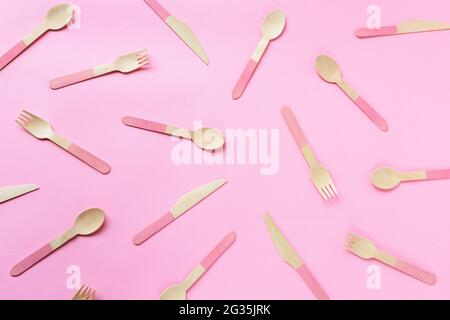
x=20, y=123
x=321, y=192
x=326, y=192
x=330, y=190
x=24, y=119
x=146, y=58
x=32, y=116
x=333, y=186
x=78, y=293
x=143, y=63
x=91, y=295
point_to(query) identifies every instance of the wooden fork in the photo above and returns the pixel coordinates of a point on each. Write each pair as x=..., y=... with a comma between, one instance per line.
x=320, y=177
x=84, y=293
x=42, y=130
x=125, y=64
x=366, y=249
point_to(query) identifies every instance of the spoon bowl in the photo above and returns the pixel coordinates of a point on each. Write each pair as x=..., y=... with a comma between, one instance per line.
x=328, y=69
x=386, y=178
x=59, y=16
x=89, y=221
x=208, y=138
x=176, y=292
x=273, y=25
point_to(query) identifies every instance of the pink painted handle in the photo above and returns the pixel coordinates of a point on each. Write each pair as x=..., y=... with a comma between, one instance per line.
x=372, y=114
x=312, y=283
x=90, y=159
x=294, y=127
x=438, y=174
x=383, y=31
x=416, y=272
x=144, y=124
x=70, y=79
x=12, y=54
x=158, y=8
x=153, y=228
x=31, y=260
x=244, y=79
x=218, y=250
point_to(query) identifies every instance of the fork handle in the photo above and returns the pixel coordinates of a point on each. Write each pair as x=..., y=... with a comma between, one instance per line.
x=415, y=272
x=89, y=159
x=312, y=283
x=294, y=127
x=12, y=53
x=73, y=78
x=438, y=174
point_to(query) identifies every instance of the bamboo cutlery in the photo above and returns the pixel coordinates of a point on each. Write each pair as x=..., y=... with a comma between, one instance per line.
x=179, y=291
x=320, y=176
x=329, y=71
x=182, y=205
x=84, y=293
x=57, y=18
x=124, y=64
x=388, y=178
x=8, y=193
x=204, y=138
x=290, y=256
x=87, y=223
x=366, y=249
x=42, y=130
x=272, y=27
x=180, y=28
x=410, y=26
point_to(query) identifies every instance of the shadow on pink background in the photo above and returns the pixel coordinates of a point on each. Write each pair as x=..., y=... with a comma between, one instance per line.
x=403, y=77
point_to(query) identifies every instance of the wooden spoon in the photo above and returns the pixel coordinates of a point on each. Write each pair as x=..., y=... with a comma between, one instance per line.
x=388, y=178
x=87, y=223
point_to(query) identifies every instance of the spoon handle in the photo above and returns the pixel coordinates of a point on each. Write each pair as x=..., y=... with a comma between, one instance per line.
x=218, y=250
x=31, y=260
x=144, y=124
x=73, y=78
x=12, y=53
x=244, y=79
x=383, y=31
x=438, y=174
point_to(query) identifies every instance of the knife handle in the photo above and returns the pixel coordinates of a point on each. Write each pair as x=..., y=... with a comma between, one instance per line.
x=415, y=272
x=144, y=124
x=218, y=250
x=372, y=114
x=244, y=79
x=31, y=260
x=153, y=228
x=312, y=283
x=70, y=79
x=383, y=31
x=12, y=53
x=88, y=158
x=158, y=8
x=438, y=174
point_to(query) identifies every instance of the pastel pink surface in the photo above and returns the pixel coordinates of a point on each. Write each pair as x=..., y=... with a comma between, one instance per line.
x=416, y=272
x=88, y=158
x=244, y=79
x=218, y=250
x=438, y=174
x=372, y=114
x=180, y=89
x=11, y=54
x=158, y=8
x=144, y=124
x=383, y=31
x=153, y=228
x=73, y=78
x=294, y=127
x=31, y=260
x=312, y=283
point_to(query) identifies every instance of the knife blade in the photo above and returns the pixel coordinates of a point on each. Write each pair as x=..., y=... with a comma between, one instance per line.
x=183, y=204
x=180, y=28
x=284, y=248
x=421, y=26
x=289, y=255
x=8, y=193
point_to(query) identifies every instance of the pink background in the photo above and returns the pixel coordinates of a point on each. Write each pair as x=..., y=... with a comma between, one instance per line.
x=404, y=77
